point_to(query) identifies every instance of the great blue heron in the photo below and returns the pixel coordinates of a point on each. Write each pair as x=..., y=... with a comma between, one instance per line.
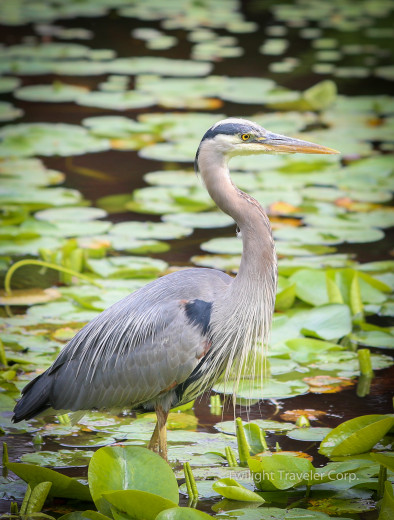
x=166, y=343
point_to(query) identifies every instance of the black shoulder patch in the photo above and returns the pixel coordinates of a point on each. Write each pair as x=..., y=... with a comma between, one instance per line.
x=198, y=313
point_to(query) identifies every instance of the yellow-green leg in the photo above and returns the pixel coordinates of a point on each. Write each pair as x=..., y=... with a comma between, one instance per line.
x=162, y=431
x=154, y=440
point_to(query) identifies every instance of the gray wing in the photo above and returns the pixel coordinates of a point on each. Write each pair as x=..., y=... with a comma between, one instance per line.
x=138, y=349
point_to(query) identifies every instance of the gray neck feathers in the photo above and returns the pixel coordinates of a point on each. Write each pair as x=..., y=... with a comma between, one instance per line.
x=242, y=316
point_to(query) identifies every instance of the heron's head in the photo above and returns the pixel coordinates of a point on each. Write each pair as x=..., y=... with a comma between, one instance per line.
x=235, y=136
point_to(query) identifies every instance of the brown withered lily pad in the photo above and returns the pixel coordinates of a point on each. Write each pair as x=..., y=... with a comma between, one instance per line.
x=325, y=384
x=293, y=415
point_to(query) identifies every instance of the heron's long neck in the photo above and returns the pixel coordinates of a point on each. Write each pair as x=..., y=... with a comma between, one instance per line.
x=259, y=257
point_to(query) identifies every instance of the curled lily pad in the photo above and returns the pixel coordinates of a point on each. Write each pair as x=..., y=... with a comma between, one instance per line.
x=279, y=471
x=230, y=488
x=62, y=486
x=357, y=435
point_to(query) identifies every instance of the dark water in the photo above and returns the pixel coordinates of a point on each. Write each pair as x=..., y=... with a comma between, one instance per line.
x=126, y=170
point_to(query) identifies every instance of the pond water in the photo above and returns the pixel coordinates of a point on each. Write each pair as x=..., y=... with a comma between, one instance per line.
x=318, y=71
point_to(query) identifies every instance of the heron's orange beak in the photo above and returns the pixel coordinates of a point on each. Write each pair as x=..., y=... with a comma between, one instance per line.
x=277, y=143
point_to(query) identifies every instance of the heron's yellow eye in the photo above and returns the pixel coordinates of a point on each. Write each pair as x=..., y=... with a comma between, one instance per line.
x=245, y=137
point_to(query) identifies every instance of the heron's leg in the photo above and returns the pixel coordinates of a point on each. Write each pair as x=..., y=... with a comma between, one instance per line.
x=161, y=424
x=154, y=440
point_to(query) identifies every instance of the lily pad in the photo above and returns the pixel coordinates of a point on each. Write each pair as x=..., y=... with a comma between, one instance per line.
x=75, y=214
x=62, y=486
x=56, y=93
x=182, y=513
x=129, y=468
x=309, y=434
x=26, y=139
x=126, y=267
x=230, y=488
x=147, y=230
x=8, y=112
x=357, y=435
x=126, y=100
x=205, y=220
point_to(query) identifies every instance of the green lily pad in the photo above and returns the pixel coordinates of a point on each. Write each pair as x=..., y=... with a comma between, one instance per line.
x=279, y=471
x=62, y=486
x=116, y=100
x=26, y=139
x=56, y=93
x=129, y=468
x=271, y=389
x=357, y=435
x=326, y=322
x=8, y=84
x=158, y=200
x=274, y=426
x=205, y=220
x=66, y=458
x=230, y=488
x=75, y=214
x=182, y=513
x=146, y=230
x=309, y=434
x=84, y=515
x=134, y=503
x=126, y=267
x=8, y=112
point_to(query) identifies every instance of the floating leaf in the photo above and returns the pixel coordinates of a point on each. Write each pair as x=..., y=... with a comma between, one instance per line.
x=134, y=503
x=357, y=435
x=182, y=513
x=56, y=93
x=26, y=139
x=309, y=434
x=77, y=214
x=279, y=471
x=230, y=488
x=116, y=100
x=129, y=468
x=62, y=486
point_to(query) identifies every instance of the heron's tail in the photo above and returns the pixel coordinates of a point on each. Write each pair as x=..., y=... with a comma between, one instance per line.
x=35, y=398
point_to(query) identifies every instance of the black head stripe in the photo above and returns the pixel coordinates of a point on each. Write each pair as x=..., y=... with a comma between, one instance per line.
x=230, y=128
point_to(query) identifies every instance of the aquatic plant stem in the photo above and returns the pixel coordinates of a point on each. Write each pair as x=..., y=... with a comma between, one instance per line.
x=191, y=485
x=364, y=360
x=21, y=263
x=3, y=357
x=381, y=481
x=230, y=456
x=243, y=445
x=5, y=459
